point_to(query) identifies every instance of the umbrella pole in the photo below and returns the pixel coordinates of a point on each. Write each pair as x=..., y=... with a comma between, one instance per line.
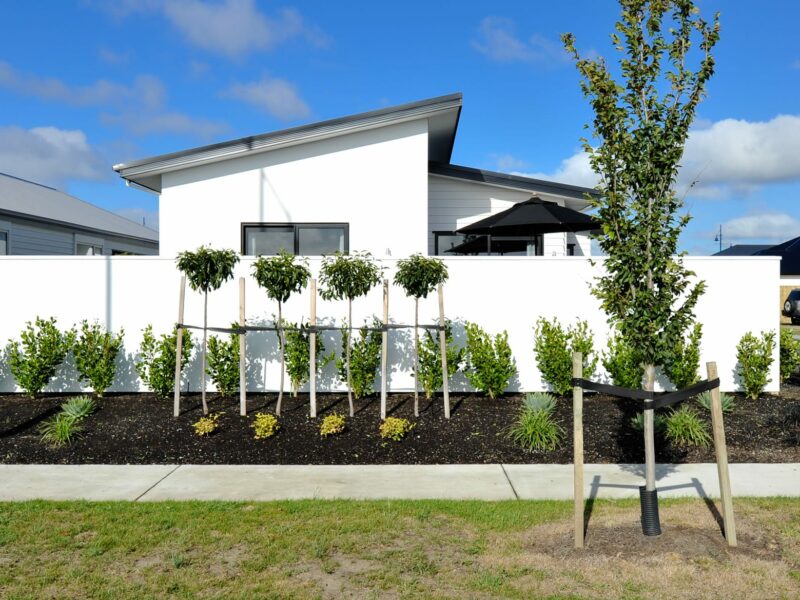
x=489, y=244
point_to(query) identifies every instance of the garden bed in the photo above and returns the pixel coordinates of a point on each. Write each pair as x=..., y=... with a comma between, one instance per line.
x=139, y=428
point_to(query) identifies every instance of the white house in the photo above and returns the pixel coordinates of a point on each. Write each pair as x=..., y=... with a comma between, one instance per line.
x=379, y=181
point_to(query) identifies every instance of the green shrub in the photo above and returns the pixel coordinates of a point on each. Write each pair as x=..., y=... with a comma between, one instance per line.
x=156, y=361
x=207, y=425
x=395, y=428
x=755, y=358
x=297, y=355
x=725, y=400
x=60, y=429
x=95, y=351
x=489, y=364
x=659, y=422
x=790, y=354
x=79, y=407
x=540, y=401
x=332, y=424
x=554, y=346
x=223, y=363
x=35, y=359
x=535, y=430
x=622, y=363
x=430, y=360
x=365, y=358
x=265, y=425
x=685, y=428
x=683, y=364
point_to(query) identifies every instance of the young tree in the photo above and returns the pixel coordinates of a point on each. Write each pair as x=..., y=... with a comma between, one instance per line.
x=418, y=276
x=95, y=351
x=281, y=276
x=640, y=129
x=348, y=276
x=206, y=270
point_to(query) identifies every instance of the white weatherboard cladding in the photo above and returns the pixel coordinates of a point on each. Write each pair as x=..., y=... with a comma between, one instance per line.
x=454, y=203
x=499, y=293
x=376, y=181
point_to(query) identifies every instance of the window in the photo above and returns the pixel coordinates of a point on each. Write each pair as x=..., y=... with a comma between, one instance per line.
x=3, y=243
x=308, y=239
x=444, y=240
x=88, y=250
x=570, y=249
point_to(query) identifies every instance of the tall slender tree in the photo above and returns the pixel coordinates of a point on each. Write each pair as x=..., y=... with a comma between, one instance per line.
x=640, y=128
x=206, y=270
x=281, y=276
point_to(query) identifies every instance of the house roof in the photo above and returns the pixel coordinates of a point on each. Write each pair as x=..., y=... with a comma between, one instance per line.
x=23, y=198
x=789, y=252
x=511, y=181
x=742, y=250
x=442, y=113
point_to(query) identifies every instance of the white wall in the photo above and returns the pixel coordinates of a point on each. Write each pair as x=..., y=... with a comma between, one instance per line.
x=377, y=181
x=499, y=293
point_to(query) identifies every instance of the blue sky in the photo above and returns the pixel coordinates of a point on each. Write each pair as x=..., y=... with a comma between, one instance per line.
x=85, y=84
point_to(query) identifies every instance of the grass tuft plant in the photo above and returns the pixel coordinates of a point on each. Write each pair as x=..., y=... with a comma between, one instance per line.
x=535, y=430
x=79, y=407
x=59, y=430
x=540, y=401
x=265, y=425
x=726, y=400
x=332, y=424
x=395, y=428
x=685, y=428
x=659, y=422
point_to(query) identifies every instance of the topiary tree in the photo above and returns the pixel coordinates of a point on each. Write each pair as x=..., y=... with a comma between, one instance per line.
x=348, y=277
x=418, y=276
x=640, y=129
x=206, y=270
x=281, y=276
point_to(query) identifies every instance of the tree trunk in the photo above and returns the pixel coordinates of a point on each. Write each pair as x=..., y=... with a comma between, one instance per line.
x=281, y=343
x=347, y=350
x=203, y=358
x=416, y=357
x=649, y=433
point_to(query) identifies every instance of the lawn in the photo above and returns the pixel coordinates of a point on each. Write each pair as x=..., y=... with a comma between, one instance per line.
x=333, y=549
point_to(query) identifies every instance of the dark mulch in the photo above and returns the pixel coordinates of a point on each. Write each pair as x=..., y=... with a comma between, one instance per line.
x=139, y=428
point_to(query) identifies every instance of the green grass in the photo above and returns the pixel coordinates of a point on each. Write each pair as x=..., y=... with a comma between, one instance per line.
x=311, y=549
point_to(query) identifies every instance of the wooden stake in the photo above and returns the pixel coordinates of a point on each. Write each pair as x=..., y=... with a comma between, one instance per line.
x=242, y=356
x=176, y=409
x=312, y=351
x=384, y=348
x=282, y=350
x=649, y=433
x=577, y=435
x=203, y=359
x=350, y=332
x=416, y=357
x=721, y=451
x=443, y=349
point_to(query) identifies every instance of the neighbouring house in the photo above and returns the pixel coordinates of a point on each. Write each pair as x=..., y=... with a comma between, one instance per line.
x=40, y=220
x=380, y=181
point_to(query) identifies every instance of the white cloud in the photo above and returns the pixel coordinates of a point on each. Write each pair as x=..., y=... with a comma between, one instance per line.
x=143, y=123
x=775, y=227
x=113, y=58
x=278, y=97
x=722, y=159
x=508, y=162
x=50, y=155
x=497, y=39
x=229, y=27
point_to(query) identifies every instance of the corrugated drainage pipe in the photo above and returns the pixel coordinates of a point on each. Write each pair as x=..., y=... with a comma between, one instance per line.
x=649, y=503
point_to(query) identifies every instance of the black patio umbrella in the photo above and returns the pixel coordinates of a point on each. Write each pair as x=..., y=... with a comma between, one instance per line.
x=532, y=217
x=479, y=244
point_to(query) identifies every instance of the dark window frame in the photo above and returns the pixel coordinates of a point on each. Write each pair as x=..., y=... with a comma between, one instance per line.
x=296, y=227
x=7, y=235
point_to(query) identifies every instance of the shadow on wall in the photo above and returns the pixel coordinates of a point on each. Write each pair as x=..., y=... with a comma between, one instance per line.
x=7, y=381
x=66, y=378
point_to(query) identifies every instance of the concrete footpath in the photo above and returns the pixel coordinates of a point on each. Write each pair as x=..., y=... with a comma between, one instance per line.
x=452, y=482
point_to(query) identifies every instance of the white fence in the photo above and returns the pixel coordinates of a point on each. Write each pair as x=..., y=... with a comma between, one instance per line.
x=499, y=293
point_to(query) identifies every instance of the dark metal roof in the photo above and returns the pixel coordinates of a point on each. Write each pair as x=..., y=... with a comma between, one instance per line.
x=147, y=172
x=512, y=181
x=790, y=256
x=742, y=250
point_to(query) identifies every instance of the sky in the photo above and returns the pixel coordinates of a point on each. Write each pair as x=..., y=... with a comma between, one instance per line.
x=86, y=84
